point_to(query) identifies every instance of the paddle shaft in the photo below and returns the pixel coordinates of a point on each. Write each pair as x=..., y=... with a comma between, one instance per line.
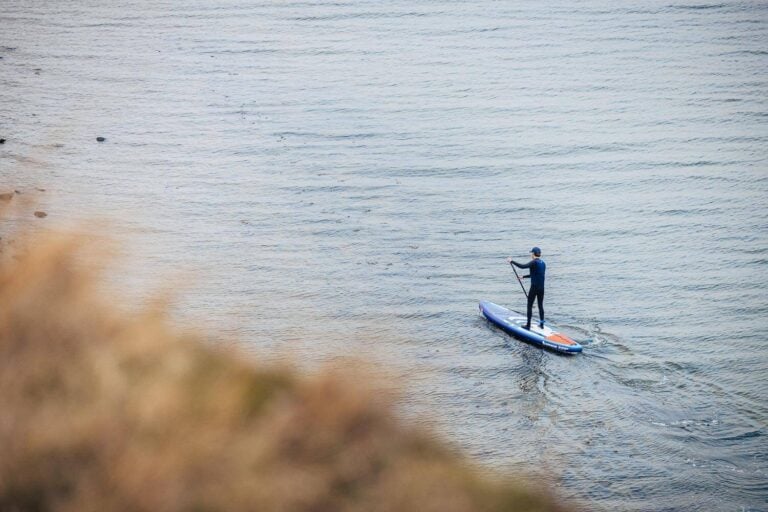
x=518, y=279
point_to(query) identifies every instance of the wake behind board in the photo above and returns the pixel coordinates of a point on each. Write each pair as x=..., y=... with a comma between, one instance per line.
x=514, y=323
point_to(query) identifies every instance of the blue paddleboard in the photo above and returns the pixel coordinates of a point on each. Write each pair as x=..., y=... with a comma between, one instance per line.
x=514, y=323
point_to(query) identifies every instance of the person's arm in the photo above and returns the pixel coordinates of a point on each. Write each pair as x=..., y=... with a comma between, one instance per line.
x=524, y=265
x=520, y=265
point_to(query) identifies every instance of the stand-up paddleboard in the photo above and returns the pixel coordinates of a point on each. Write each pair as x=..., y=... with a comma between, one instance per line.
x=514, y=323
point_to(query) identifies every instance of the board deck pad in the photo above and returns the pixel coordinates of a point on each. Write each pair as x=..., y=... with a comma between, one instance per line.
x=520, y=320
x=514, y=323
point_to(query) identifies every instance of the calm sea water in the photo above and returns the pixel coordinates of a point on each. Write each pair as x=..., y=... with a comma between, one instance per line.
x=348, y=177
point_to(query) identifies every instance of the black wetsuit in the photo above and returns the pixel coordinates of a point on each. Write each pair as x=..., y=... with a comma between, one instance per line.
x=537, y=268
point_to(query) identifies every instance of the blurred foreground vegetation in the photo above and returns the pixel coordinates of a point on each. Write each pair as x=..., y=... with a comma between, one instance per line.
x=104, y=410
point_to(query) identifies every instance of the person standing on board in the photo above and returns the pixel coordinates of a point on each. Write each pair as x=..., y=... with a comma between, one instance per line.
x=537, y=268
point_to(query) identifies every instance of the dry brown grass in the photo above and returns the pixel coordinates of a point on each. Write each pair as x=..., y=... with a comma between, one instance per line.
x=101, y=410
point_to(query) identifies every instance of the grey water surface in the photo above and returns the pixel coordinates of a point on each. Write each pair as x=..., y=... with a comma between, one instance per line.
x=347, y=178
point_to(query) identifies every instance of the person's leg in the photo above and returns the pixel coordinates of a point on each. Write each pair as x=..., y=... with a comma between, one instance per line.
x=540, y=297
x=530, y=307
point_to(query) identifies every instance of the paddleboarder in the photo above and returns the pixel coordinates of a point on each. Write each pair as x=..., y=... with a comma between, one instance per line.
x=537, y=268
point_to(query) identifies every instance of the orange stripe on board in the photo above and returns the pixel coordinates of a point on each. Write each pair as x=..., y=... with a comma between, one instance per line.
x=559, y=338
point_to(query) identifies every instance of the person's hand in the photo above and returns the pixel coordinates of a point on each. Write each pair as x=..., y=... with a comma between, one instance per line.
x=509, y=260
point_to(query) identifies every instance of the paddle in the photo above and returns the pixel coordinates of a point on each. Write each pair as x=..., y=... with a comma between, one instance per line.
x=518, y=279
